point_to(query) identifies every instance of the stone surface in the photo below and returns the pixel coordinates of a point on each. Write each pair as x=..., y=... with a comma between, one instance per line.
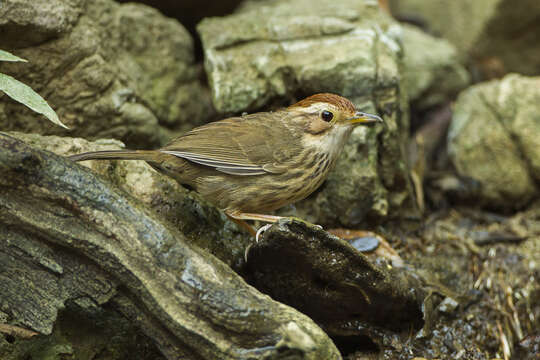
x=500, y=35
x=331, y=47
x=39, y=21
x=199, y=221
x=190, y=12
x=109, y=70
x=433, y=73
x=493, y=139
x=266, y=51
x=68, y=236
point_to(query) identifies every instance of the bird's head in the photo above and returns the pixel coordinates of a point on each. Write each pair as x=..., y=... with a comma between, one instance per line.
x=328, y=119
x=327, y=111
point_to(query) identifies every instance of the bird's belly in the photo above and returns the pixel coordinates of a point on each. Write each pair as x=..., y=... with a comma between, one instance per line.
x=272, y=192
x=261, y=200
x=264, y=193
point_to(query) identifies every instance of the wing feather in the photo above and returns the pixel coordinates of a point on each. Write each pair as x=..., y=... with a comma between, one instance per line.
x=238, y=146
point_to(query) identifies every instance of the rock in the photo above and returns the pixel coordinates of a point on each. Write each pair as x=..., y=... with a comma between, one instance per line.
x=330, y=47
x=336, y=285
x=199, y=221
x=190, y=12
x=267, y=51
x=39, y=21
x=433, y=73
x=448, y=305
x=68, y=236
x=500, y=35
x=96, y=63
x=493, y=139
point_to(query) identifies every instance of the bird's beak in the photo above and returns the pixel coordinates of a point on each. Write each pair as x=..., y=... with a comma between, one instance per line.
x=363, y=118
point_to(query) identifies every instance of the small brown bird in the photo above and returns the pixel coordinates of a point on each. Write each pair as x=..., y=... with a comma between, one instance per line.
x=253, y=164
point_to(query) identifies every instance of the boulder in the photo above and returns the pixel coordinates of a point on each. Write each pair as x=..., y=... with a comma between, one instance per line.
x=500, y=35
x=190, y=12
x=284, y=50
x=493, y=139
x=433, y=73
x=109, y=70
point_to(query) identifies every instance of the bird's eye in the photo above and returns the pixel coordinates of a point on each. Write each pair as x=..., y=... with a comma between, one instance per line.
x=327, y=115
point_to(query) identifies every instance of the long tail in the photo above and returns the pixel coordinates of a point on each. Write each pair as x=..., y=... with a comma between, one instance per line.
x=115, y=155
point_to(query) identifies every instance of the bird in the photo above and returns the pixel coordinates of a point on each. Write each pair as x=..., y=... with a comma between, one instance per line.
x=251, y=165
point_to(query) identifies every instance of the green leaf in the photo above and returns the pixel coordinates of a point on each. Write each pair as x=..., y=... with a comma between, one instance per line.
x=25, y=95
x=5, y=56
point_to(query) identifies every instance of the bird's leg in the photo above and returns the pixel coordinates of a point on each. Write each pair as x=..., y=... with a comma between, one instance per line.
x=243, y=224
x=235, y=214
x=239, y=217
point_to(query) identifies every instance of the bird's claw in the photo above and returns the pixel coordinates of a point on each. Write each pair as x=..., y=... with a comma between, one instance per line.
x=261, y=230
x=258, y=234
x=246, y=252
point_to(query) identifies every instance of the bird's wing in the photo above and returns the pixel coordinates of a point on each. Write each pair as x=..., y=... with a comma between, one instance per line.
x=244, y=145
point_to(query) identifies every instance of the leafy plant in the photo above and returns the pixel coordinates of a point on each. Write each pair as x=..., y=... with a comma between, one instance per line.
x=23, y=93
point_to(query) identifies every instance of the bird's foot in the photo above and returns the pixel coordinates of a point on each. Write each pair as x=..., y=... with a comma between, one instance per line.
x=261, y=230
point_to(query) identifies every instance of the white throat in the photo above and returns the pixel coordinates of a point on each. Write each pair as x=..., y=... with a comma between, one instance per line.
x=332, y=142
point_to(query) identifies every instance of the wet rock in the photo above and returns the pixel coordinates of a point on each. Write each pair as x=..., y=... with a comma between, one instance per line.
x=448, y=305
x=109, y=70
x=267, y=51
x=69, y=236
x=365, y=244
x=433, y=73
x=199, y=221
x=373, y=245
x=336, y=285
x=500, y=35
x=493, y=139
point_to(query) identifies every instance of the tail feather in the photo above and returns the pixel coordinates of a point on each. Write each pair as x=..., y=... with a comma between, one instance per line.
x=114, y=155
